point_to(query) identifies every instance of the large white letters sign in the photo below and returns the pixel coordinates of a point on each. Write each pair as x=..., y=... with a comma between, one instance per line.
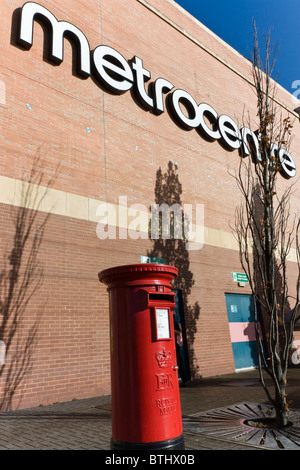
x=117, y=75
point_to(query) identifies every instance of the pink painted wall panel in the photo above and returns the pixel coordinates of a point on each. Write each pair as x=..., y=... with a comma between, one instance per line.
x=242, y=331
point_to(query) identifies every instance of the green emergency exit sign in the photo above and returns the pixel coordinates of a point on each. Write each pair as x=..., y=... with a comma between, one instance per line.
x=149, y=259
x=239, y=277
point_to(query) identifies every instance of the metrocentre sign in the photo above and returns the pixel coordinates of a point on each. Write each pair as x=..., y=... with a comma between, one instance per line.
x=117, y=75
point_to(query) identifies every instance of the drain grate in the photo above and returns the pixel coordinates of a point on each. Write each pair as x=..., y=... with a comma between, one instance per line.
x=233, y=423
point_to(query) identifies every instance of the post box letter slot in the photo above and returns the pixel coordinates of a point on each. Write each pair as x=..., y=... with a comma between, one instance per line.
x=162, y=297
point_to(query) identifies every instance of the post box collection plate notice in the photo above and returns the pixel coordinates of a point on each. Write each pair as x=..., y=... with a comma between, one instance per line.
x=162, y=323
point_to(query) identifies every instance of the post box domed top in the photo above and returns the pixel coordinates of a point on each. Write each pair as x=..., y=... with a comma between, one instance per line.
x=142, y=273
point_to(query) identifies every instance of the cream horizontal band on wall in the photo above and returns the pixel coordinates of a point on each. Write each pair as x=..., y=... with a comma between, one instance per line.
x=66, y=204
x=32, y=196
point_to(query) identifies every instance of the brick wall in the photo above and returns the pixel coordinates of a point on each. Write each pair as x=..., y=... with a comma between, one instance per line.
x=89, y=146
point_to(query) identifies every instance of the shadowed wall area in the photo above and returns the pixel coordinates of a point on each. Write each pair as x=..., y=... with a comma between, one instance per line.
x=168, y=190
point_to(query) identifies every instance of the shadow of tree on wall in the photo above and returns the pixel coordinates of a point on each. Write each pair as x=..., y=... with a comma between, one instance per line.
x=168, y=190
x=21, y=277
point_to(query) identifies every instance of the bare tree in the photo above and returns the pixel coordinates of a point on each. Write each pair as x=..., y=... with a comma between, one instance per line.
x=267, y=231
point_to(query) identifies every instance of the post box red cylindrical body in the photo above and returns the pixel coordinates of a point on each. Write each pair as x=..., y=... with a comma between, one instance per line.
x=145, y=399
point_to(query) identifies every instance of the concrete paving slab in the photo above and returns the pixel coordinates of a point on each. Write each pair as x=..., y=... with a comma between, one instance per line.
x=86, y=424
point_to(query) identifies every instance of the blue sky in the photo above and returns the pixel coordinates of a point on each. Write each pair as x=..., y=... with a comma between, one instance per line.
x=232, y=21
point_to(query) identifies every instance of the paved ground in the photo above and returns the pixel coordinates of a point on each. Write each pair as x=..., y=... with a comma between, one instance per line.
x=86, y=424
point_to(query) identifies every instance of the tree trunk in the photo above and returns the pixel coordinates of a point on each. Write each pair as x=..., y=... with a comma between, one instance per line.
x=281, y=407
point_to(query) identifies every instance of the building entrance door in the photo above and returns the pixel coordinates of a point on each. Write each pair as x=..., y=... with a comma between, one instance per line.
x=181, y=343
x=240, y=311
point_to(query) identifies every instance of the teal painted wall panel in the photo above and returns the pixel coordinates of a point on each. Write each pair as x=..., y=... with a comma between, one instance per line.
x=245, y=354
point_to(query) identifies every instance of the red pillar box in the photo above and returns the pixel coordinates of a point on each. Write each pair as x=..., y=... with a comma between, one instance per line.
x=145, y=400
